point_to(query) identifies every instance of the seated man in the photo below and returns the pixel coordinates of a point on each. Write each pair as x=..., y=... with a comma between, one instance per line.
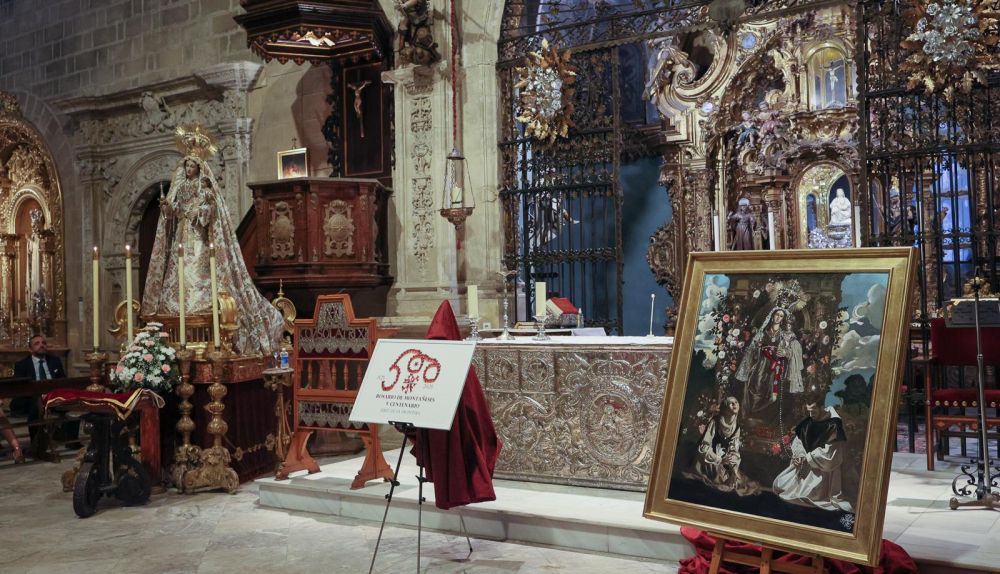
x=813, y=475
x=41, y=365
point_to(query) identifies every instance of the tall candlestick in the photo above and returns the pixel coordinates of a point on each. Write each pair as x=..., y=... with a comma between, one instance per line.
x=652, y=304
x=473, y=301
x=770, y=231
x=215, y=295
x=181, y=299
x=715, y=232
x=540, y=298
x=128, y=291
x=96, y=304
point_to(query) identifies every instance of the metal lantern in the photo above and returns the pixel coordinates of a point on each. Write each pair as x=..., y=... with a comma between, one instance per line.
x=457, y=201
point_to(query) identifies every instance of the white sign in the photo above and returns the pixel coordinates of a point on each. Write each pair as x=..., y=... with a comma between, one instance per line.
x=413, y=381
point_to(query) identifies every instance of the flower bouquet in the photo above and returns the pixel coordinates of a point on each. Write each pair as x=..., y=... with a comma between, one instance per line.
x=149, y=363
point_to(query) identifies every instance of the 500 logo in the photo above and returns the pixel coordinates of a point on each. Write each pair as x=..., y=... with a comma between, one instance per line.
x=410, y=368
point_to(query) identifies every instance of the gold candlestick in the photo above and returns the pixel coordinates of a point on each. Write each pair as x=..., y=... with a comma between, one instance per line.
x=186, y=455
x=214, y=470
x=97, y=358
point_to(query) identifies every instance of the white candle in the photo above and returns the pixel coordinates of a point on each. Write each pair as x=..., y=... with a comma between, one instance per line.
x=456, y=195
x=652, y=303
x=96, y=303
x=539, y=299
x=770, y=230
x=473, y=301
x=215, y=295
x=128, y=291
x=182, y=328
x=857, y=226
x=715, y=232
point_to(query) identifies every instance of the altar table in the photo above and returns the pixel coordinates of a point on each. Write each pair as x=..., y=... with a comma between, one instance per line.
x=576, y=410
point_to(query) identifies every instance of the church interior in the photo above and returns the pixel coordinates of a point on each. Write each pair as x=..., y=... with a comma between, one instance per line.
x=721, y=276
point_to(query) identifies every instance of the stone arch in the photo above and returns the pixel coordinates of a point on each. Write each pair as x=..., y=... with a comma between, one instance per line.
x=133, y=194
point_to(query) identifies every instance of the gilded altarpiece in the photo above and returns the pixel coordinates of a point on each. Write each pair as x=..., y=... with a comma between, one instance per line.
x=748, y=117
x=575, y=413
x=32, y=264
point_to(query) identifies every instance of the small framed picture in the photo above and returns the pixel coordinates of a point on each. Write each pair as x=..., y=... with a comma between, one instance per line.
x=293, y=163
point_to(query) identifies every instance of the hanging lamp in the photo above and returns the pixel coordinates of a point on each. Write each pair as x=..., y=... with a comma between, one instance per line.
x=456, y=204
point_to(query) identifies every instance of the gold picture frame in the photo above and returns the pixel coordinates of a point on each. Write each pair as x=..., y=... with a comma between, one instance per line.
x=293, y=163
x=780, y=432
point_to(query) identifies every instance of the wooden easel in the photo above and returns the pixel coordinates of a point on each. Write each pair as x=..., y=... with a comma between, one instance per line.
x=764, y=561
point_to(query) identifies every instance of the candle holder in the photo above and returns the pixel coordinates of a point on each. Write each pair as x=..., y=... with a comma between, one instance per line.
x=214, y=470
x=186, y=455
x=505, y=335
x=97, y=358
x=473, y=330
x=277, y=379
x=540, y=324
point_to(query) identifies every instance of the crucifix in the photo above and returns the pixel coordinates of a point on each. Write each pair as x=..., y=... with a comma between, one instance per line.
x=357, y=87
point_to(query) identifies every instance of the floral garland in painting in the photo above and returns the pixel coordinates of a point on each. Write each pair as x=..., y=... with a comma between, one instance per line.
x=546, y=92
x=953, y=45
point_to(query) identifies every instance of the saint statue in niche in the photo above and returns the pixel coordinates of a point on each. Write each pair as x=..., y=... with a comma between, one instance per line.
x=743, y=224
x=840, y=210
x=194, y=214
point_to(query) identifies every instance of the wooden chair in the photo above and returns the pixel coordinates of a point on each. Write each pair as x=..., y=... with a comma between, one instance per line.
x=946, y=407
x=331, y=353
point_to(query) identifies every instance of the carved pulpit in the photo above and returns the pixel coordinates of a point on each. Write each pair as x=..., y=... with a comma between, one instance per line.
x=321, y=235
x=331, y=354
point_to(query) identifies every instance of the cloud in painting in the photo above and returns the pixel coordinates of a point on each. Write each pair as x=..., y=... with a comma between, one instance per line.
x=856, y=352
x=872, y=310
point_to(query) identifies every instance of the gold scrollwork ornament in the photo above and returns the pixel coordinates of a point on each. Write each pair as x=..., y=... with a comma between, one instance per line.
x=953, y=45
x=546, y=92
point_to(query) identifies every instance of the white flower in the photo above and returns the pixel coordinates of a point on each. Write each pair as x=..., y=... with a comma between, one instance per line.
x=756, y=293
x=822, y=324
x=734, y=332
x=722, y=354
x=700, y=414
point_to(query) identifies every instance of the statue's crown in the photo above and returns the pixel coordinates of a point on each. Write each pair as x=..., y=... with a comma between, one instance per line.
x=194, y=140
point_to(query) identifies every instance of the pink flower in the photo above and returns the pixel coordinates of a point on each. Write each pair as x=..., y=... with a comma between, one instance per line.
x=148, y=358
x=787, y=439
x=811, y=369
x=139, y=377
x=165, y=368
x=725, y=318
x=148, y=342
x=775, y=448
x=119, y=368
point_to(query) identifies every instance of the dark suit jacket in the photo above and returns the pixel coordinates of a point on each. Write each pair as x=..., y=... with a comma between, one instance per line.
x=26, y=367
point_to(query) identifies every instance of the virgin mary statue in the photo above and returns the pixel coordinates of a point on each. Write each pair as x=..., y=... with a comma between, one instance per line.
x=194, y=214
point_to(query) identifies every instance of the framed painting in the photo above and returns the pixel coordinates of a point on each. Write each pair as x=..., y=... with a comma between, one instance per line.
x=293, y=163
x=780, y=414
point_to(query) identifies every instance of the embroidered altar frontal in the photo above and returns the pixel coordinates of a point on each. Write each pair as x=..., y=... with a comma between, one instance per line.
x=576, y=410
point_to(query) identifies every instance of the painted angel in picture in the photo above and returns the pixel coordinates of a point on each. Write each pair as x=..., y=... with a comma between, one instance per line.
x=772, y=360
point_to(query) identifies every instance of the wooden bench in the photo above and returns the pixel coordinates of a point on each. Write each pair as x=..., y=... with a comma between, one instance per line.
x=11, y=388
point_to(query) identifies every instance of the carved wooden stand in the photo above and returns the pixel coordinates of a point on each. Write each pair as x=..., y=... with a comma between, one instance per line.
x=276, y=380
x=765, y=561
x=214, y=470
x=186, y=455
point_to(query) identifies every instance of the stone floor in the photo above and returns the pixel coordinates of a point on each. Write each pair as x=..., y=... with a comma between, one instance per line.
x=222, y=533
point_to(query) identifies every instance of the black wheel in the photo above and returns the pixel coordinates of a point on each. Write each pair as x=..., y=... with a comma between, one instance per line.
x=86, y=490
x=134, y=485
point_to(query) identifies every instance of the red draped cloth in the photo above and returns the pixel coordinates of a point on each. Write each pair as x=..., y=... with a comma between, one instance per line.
x=895, y=560
x=460, y=461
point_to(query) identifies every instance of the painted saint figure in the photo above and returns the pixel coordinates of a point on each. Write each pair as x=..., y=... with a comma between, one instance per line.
x=772, y=359
x=743, y=224
x=194, y=214
x=813, y=476
x=718, y=461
